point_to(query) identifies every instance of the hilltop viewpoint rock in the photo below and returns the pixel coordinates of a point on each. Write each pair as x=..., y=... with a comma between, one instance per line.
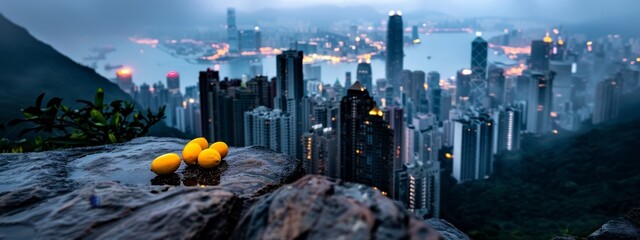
x=624, y=228
x=109, y=192
x=316, y=207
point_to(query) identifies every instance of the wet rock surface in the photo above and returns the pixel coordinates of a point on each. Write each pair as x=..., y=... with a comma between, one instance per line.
x=110, y=210
x=248, y=172
x=624, y=228
x=446, y=229
x=109, y=192
x=52, y=194
x=316, y=207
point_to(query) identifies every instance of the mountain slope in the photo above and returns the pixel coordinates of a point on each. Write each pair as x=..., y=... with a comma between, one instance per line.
x=29, y=67
x=557, y=185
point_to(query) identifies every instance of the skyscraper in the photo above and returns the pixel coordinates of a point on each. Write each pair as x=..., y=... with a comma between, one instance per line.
x=463, y=87
x=144, y=98
x=607, y=100
x=124, y=79
x=289, y=92
x=434, y=94
x=258, y=38
x=247, y=40
x=479, y=57
x=374, y=153
x=269, y=128
x=261, y=87
x=539, y=101
x=415, y=38
x=395, y=53
x=395, y=117
x=562, y=84
x=174, y=100
x=192, y=117
x=232, y=31
x=496, y=85
x=433, y=80
x=354, y=107
x=508, y=121
x=559, y=52
x=366, y=141
x=173, y=82
x=364, y=75
x=478, y=92
x=320, y=155
x=208, y=84
x=348, y=83
x=241, y=100
x=540, y=51
x=417, y=91
x=472, y=148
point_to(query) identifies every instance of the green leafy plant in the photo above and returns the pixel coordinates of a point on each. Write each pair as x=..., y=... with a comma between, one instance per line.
x=8, y=146
x=95, y=123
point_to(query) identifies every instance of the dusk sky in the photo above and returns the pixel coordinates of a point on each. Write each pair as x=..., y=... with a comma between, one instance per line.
x=35, y=12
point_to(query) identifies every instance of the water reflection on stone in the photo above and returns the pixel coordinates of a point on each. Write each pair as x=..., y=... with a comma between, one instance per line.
x=172, y=179
x=193, y=176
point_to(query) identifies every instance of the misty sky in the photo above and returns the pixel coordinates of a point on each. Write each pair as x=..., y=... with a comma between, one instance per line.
x=54, y=20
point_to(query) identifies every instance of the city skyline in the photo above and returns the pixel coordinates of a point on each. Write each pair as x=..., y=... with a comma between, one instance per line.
x=440, y=115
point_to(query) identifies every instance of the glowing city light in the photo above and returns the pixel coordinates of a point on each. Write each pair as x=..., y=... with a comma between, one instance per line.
x=466, y=71
x=376, y=111
x=478, y=34
x=123, y=72
x=173, y=74
x=547, y=39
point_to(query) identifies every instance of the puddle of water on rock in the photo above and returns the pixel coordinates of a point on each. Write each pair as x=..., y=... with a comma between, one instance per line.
x=134, y=170
x=192, y=176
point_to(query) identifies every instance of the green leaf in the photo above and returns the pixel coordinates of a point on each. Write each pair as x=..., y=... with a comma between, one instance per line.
x=39, y=100
x=115, y=120
x=54, y=102
x=97, y=117
x=99, y=98
x=112, y=138
x=78, y=135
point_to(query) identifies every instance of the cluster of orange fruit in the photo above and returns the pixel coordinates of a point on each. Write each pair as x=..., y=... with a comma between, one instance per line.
x=197, y=151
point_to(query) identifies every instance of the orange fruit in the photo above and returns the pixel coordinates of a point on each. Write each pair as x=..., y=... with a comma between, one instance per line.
x=165, y=164
x=221, y=147
x=209, y=158
x=190, y=153
x=200, y=141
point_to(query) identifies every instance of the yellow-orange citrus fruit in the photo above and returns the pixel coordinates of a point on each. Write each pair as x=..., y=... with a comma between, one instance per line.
x=221, y=147
x=209, y=158
x=165, y=164
x=190, y=153
x=200, y=141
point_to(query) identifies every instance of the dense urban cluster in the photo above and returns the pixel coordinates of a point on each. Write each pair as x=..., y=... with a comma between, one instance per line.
x=398, y=134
